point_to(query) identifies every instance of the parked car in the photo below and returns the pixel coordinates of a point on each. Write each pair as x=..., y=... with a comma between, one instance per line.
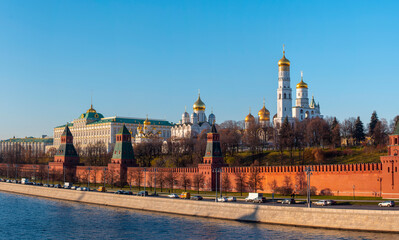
x=101, y=189
x=128, y=193
x=222, y=199
x=387, y=204
x=173, y=195
x=57, y=186
x=331, y=202
x=321, y=203
x=142, y=193
x=51, y=185
x=39, y=184
x=74, y=187
x=119, y=192
x=259, y=200
x=288, y=201
x=196, y=198
x=232, y=199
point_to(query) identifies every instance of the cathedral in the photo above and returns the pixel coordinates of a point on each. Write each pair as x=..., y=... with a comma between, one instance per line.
x=302, y=109
x=191, y=126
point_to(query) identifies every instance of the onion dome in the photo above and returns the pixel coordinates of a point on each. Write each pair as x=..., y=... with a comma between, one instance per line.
x=199, y=105
x=91, y=110
x=249, y=118
x=302, y=84
x=284, y=61
x=146, y=122
x=264, y=114
x=91, y=114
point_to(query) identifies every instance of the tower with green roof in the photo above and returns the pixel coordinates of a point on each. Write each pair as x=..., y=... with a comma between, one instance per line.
x=123, y=156
x=66, y=153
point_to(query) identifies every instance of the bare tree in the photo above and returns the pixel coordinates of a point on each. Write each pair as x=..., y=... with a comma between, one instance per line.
x=226, y=184
x=240, y=181
x=199, y=181
x=171, y=179
x=185, y=181
x=255, y=180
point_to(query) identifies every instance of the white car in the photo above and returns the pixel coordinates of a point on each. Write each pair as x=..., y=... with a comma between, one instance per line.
x=222, y=199
x=232, y=199
x=173, y=195
x=387, y=204
x=321, y=203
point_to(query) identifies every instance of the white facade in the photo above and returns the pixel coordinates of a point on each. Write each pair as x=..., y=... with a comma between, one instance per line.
x=35, y=145
x=191, y=126
x=91, y=127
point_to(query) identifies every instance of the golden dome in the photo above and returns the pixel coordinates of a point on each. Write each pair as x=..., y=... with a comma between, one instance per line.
x=146, y=122
x=301, y=84
x=264, y=114
x=249, y=118
x=284, y=61
x=91, y=110
x=199, y=105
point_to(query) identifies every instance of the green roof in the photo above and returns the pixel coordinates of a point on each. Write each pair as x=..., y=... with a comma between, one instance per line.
x=123, y=130
x=125, y=120
x=29, y=139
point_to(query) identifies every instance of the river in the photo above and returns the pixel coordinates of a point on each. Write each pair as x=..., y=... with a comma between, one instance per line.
x=25, y=217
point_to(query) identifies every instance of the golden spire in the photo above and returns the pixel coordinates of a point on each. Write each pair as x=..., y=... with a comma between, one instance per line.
x=146, y=122
x=249, y=117
x=284, y=61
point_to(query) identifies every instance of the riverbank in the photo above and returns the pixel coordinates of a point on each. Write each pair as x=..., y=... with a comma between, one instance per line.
x=342, y=219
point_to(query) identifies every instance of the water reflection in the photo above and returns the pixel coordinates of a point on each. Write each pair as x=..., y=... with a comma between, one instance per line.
x=25, y=217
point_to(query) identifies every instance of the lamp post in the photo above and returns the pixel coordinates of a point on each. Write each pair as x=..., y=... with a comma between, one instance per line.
x=145, y=179
x=379, y=179
x=308, y=171
x=216, y=170
x=88, y=180
x=155, y=184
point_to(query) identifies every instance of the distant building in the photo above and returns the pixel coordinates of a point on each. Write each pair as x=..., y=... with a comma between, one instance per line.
x=92, y=127
x=35, y=145
x=189, y=127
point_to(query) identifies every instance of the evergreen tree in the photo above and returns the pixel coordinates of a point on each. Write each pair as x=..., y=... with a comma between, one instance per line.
x=359, y=131
x=373, y=122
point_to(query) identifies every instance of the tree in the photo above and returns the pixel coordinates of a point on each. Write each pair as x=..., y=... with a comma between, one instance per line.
x=359, y=131
x=185, y=181
x=198, y=180
x=226, y=182
x=240, y=181
x=255, y=180
x=335, y=133
x=380, y=133
x=161, y=179
x=373, y=123
x=137, y=176
x=171, y=179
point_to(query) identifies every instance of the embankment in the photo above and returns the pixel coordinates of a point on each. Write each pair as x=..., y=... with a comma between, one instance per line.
x=364, y=220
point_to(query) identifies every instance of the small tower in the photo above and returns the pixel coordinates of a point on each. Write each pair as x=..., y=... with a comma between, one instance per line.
x=213, y=153
x=66, y=153
x=264, y=116
x=302, y=99
x=199, y=109
x=249, y=120
x=123, y=152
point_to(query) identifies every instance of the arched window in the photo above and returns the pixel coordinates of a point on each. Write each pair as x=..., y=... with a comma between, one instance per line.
x=285, y=96
x=279, y=96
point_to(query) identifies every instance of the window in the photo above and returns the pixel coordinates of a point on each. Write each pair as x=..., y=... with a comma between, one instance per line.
x=279, y=96
x=285, y=96
x=396, y=141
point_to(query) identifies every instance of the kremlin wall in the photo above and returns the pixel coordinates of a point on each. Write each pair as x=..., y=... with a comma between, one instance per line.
x=368, y=179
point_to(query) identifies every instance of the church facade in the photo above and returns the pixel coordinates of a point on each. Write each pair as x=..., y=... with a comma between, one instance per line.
x=192, y=126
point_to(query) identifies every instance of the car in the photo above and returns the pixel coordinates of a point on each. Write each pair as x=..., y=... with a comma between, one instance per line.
x=128, y=193
x=8, y=180
x=51, y=185
x=288, y=201
x=57, y=186
x=231, y=199
x=101, y=189
x=173, y=195
x=119, y=192
x=142, y=193
x=222, y=199
x=321, y=203
x=185, y=195
x=39, y=184
x=387, y=204
x=331, y=202
x=196, y=198
x=259, y=200
x=74, y=187
x=79, y=189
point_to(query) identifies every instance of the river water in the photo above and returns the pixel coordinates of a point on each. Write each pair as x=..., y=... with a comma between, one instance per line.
x=24, y=217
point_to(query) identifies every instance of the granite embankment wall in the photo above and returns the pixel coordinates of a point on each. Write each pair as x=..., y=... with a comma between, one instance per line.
x=366, y=220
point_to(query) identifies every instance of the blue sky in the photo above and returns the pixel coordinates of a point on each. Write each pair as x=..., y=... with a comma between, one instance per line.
x=151, y=57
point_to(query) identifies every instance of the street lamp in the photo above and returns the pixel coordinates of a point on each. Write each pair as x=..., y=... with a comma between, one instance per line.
x=379, y=179
x=155, y=184
x=308, y=171
x=216, y=170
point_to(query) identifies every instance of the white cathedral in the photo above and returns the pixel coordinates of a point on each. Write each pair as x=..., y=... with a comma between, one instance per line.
x=302, y=109
x=189, y=127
